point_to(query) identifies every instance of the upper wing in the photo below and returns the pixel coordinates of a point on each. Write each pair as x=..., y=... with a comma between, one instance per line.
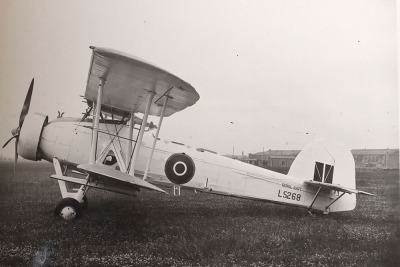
x=336, y=187
x=128, y=81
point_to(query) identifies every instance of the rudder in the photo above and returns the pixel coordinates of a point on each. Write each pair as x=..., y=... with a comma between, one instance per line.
x=331, y=163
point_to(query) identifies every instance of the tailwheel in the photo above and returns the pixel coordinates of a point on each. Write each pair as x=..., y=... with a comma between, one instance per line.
x=68, y=209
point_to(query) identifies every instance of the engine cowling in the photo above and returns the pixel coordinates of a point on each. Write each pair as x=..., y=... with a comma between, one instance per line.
x=29, y=138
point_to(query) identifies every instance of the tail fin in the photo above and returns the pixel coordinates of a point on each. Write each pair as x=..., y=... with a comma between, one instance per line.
x=329, y=163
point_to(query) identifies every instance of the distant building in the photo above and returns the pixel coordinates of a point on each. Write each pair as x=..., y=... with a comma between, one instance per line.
x=276, y=160
x=238, y=157
x=376, y=158
x=281, y=160
x=273, y=158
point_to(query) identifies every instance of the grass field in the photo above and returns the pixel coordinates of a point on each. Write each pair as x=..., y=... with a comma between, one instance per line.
x=193, y=229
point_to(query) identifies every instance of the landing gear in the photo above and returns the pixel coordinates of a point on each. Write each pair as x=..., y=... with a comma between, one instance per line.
x=74, y=200
x=68, y=209
x=85, y=203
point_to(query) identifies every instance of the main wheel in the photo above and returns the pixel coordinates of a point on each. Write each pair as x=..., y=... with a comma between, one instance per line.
x=68, y=209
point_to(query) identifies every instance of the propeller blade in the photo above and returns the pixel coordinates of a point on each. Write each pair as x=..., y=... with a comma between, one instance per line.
x=16, y=154
x=27, y=102
x=9, y=141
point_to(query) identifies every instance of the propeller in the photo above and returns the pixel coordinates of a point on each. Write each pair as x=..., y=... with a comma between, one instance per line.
x=16, y=131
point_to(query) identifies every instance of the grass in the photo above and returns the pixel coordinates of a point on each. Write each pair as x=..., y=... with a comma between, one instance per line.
x=193, y=229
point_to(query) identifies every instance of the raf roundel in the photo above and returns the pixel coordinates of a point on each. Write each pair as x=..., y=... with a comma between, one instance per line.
x=179, y=168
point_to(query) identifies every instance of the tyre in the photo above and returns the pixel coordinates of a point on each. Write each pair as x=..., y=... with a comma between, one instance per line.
x=68, y=209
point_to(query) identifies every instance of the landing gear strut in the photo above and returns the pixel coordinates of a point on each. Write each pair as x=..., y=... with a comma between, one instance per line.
x=85, y=203
x=73, y=203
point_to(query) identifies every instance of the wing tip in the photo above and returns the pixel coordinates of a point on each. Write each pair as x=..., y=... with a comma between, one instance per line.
x=365, y=193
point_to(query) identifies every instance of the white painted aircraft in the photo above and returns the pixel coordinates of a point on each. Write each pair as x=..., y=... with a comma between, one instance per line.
x=119, y=152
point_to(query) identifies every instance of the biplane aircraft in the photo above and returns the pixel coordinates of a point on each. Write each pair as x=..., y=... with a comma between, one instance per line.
x=110, y=148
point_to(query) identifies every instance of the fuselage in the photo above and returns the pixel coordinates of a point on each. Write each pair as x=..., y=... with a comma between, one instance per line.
x=69, y=140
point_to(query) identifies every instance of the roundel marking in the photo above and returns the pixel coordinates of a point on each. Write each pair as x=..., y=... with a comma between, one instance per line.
x=179, y=168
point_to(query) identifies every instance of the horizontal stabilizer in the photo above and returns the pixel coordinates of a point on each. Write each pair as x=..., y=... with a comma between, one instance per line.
x=109, y=173
x=335, y=187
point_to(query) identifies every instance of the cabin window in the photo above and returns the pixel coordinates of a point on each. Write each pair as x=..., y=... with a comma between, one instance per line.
x=328, y=173
x=318, y=171
x=110, y=160
x=323, y=172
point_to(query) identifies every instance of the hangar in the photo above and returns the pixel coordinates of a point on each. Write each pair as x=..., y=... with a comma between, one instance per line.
x=376, y=158
x=281, y=160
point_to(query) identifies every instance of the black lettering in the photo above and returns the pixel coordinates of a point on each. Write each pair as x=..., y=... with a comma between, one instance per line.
x=289, y=195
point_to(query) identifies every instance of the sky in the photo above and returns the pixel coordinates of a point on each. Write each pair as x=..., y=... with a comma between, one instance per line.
x=270, y=74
